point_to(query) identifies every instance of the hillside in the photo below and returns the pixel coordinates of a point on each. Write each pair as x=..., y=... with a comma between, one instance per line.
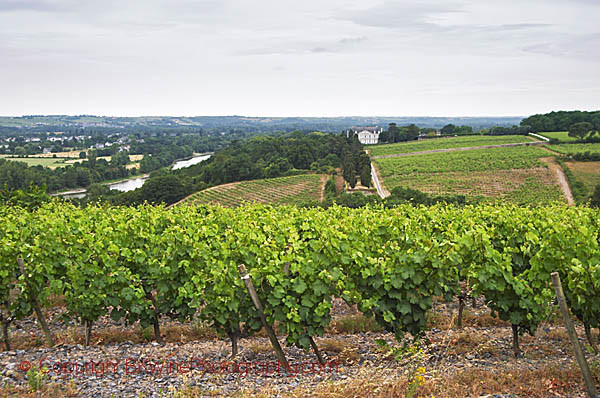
x=295, y=189
x=517, y=174
x=248, y=122
x=447, y=143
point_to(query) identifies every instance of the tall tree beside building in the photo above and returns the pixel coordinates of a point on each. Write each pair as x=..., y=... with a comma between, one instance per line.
x=355, y=162
x=412, y=132
x=364, y=164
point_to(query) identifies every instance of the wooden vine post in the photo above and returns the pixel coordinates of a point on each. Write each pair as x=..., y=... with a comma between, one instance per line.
x=36, y=305
x=263, y=318
x=590, y=385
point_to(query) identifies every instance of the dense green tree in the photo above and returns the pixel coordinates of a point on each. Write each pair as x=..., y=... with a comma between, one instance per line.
x=92, y=156
x=393, y=133
x=513, y=130
x=164, y=189
x=356, y=200
x=20, y=151
x=352, y=179
x=463, y=130
x=84, y=177
x=120, y=158
x=580, y=130
x=71, y=177
x=365, y=176
x=560, y=121
x=448, y=129
x=97, y=191
x=595, y=120
x=412, y=132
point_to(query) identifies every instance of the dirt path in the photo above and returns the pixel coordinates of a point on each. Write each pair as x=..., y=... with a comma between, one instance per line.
x=324, y=179
x=562, y=179
x=381, y=191
x=551, y=151
x=469, y=148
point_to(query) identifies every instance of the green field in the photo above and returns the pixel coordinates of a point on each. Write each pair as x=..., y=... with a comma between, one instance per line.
x=514, y=174
x=572, y=149
x=559, y=135
x=47, y=162
x=447, y=143
x=296, y=189
x=586, y=172
x=464, y=161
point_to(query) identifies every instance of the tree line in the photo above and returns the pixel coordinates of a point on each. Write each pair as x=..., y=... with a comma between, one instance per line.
x=564, y=121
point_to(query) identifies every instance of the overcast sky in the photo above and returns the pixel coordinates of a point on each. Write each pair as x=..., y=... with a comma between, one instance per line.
x=307, y=57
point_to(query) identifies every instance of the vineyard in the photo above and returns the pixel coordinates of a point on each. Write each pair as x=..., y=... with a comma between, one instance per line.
x=447, y=143
x=141, y=264
x=514, y=174
x=464, y=161
x=572, y=149
x=559, y=135
x=521, y=186
x=295, y=189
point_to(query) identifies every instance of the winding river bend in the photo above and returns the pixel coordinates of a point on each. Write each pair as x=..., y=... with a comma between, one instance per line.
x=134, y=183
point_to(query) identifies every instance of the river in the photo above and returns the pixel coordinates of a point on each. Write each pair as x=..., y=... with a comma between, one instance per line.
x=134, y=183
x=128, y=185
x=180, y=164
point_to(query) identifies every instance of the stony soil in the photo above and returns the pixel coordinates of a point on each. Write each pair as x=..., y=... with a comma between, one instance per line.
x=134, y=369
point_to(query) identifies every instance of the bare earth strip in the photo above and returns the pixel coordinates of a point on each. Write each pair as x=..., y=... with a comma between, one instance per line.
x=381, y=190
x=324, y=179
x=457, y=149
x=562, y=179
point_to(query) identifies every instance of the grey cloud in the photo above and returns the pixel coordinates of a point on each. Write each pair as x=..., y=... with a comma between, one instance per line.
x=284, y=47
x=352, y=40
x=29, y=5
x=520, y=26
x=420, y=18
x=401, y=14
x=464, y=49
x=321, y=50
x=582, y=47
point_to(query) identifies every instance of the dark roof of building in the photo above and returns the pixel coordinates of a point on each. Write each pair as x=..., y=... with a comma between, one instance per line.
x=371, y=129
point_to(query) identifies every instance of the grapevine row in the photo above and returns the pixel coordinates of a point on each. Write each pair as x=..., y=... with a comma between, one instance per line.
x=142, y=263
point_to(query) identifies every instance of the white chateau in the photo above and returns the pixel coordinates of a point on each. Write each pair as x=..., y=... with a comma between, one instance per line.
x=367, y=135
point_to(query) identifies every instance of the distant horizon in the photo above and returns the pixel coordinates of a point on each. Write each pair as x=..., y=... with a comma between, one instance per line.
x=268, y=116
x=298, y=115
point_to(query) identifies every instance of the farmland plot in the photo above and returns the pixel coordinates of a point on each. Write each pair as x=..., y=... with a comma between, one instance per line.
x=572, y=149
x=283, y=190
x=447, y=143
x=514, y=174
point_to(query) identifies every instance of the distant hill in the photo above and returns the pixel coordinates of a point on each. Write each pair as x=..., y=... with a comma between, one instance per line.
x=263, y=124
